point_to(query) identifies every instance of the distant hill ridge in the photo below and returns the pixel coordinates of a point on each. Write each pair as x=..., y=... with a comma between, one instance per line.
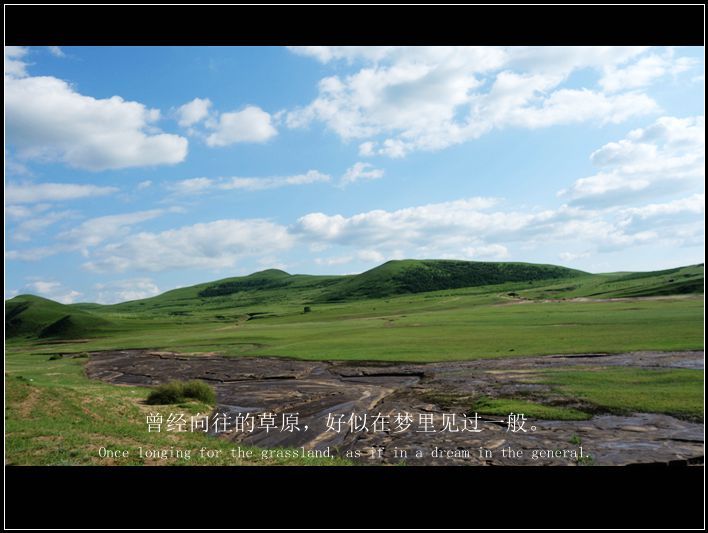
x=414, y=276
x=32, y=316
x=29, y=315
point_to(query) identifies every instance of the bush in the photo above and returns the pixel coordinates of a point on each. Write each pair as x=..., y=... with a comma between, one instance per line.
x=180, y=391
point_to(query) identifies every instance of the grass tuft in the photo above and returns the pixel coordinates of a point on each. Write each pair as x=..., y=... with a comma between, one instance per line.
x=176, y=392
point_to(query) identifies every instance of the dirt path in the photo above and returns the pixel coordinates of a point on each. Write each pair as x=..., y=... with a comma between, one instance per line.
x=314, y=389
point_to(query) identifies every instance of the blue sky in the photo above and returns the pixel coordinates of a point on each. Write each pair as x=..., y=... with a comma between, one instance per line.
x=130, y=171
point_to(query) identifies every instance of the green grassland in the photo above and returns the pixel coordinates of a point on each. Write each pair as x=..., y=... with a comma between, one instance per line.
x=617, y=390
x=55, y=415
x=263, y=314
x=401, y=311
x=672, y=391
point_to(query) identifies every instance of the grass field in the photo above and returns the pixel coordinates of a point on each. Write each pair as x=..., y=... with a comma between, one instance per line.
x=675, y=391
x=55, y=415
x=515, y=318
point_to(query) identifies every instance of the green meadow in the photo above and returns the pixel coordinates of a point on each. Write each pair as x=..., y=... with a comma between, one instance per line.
x=417, y=311
x=264, y=314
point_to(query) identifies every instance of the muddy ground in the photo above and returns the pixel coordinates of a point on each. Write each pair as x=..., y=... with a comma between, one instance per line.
x=314, y=389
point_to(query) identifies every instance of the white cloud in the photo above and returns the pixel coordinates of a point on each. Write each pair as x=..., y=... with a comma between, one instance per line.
x=25, y=229
x=488, y=251
x=693, y=204
x=331, y=261
x=404, y=99
x=18, y=212
x=34, y=254
x=571, y=256
x=46, y=119
x=361, y=171
x=56, y=51
x=125, y=290
x=365, y=256
x=193, y=112
x=144, y=185
x=86, y=235
x=96, y=230
x=214, y=245
x=15, y=66
x=669, y=219
x=54, y=291
x=464, y=227
x=666, y=157
x=563, y=106
x=14, y=167
x=644, y=71
x=202, y=185
x=26, y=193
x=370, y=256
x=473, y=229
x=325, y=54
x=251, y=124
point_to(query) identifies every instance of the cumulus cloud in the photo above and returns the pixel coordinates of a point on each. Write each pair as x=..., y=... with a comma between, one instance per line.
x=28, y=227
x=487, y=251
x=403, y=99
x=370, y=256
x=361, y=171
x=53, y=290
x=474, y=228
x=193, y=112
x=465, y=228
x=213, y=245
x=47, y=119
x=86, y=235
x=666, y=157
x=251, y=124
x=25, y=193
x=15, y=65
x=34, y=254
x=325, y=54
x=99, y=229
x=365, y=256
x=56, y=51
x=331, y=261
x=572, y=256
x=125, y=290
x=693, y=204
x=644, y=71
x=203, y=185
x=664, y=217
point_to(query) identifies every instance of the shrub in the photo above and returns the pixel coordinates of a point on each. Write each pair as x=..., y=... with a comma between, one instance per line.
x=180, y=391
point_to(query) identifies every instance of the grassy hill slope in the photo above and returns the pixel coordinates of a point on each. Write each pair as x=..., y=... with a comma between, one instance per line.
x=413, y=276
x=32, y=316
x=674, y=281
x=275, y=299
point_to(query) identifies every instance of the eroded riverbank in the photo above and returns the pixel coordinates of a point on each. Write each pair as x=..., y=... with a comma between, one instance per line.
x=314, y=389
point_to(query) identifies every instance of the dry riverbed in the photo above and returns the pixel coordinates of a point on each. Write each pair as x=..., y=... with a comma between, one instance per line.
x=313, y=389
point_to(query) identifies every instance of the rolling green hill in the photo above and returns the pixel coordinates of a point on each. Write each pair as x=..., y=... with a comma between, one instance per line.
x=414, y=276
x=392, y=278
x=674, y=281
x=274, y=297
x=32, y=316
